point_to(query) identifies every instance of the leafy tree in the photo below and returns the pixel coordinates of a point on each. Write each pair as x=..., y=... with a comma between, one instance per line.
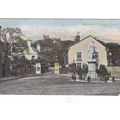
x=79, y=71
x=20, y=63
x=84, y=70
x=10, y=37
x=73, y=68
x=102, y=71
x=113, y=50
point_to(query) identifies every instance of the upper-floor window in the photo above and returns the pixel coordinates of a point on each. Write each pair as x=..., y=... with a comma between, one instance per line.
x=78, y=55
x=33, y=57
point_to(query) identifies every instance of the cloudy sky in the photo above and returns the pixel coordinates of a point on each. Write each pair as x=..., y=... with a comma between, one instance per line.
x=66, y=29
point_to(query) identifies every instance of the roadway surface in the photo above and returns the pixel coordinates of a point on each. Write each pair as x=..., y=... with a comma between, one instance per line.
x=51, y=84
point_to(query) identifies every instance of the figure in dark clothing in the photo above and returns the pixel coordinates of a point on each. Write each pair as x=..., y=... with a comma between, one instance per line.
x=79, y=71
x=74, y=77
x=88, y=79
x=113, y=79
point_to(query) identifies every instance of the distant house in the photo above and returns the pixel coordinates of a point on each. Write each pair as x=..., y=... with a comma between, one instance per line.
x=28, y=58
x=30, y=52
x=78, y=53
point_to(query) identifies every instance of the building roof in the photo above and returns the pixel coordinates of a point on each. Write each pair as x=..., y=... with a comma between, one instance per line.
x=68, y=43
x=101, y=42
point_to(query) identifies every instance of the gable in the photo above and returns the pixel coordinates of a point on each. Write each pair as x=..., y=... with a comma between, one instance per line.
x=83, y=47
x=88, y=39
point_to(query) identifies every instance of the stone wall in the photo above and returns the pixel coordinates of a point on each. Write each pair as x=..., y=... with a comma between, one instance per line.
x=18, y=71
x=115, y=71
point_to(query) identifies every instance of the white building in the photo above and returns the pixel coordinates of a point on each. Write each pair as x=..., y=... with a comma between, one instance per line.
x=78, y=53
x=30, y=52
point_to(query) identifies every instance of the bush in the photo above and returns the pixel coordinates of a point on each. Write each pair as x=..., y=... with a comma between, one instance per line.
x=102, y=71
x=72, y=67
x=85, y=68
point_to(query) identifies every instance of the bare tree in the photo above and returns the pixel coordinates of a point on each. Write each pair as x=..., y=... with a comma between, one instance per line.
x=10, y=36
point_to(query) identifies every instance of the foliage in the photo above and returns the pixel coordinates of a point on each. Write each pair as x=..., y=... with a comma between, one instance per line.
x=113, y=50
x=102, y=71
x=10, y=36
x=79, y=70
x=20, y=61
x=53, y=47
x=73, y=67
x=85, y=68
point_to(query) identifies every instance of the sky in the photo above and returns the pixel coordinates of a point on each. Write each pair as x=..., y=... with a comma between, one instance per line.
x=107, y=30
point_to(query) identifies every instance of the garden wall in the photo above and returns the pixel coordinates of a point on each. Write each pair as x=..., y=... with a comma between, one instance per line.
x=115, y=71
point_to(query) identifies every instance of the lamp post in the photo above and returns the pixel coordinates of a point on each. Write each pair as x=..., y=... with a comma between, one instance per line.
x=110, y=58
x=109, y=54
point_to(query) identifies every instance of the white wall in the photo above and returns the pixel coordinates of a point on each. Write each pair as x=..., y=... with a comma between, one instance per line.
x=83, y=48
x=29, y=52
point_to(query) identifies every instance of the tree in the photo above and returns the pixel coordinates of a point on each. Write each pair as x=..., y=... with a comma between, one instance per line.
x=84, y=70
x=21, y=64
x=79, y=71
x=102, y=71
x=9, y=36
x=73, y=68
x=113, y=50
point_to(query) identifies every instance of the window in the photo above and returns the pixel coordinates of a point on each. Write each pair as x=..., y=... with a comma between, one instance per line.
x=33, y=57
x=78, y=55
x=96, y=55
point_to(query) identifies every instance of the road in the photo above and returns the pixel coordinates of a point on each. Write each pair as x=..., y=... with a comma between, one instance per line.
x=51, y=84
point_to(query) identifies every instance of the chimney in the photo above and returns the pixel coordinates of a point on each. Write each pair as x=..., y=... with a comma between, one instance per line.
x=38, y=47
x=77, y=37
x=29, y=45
